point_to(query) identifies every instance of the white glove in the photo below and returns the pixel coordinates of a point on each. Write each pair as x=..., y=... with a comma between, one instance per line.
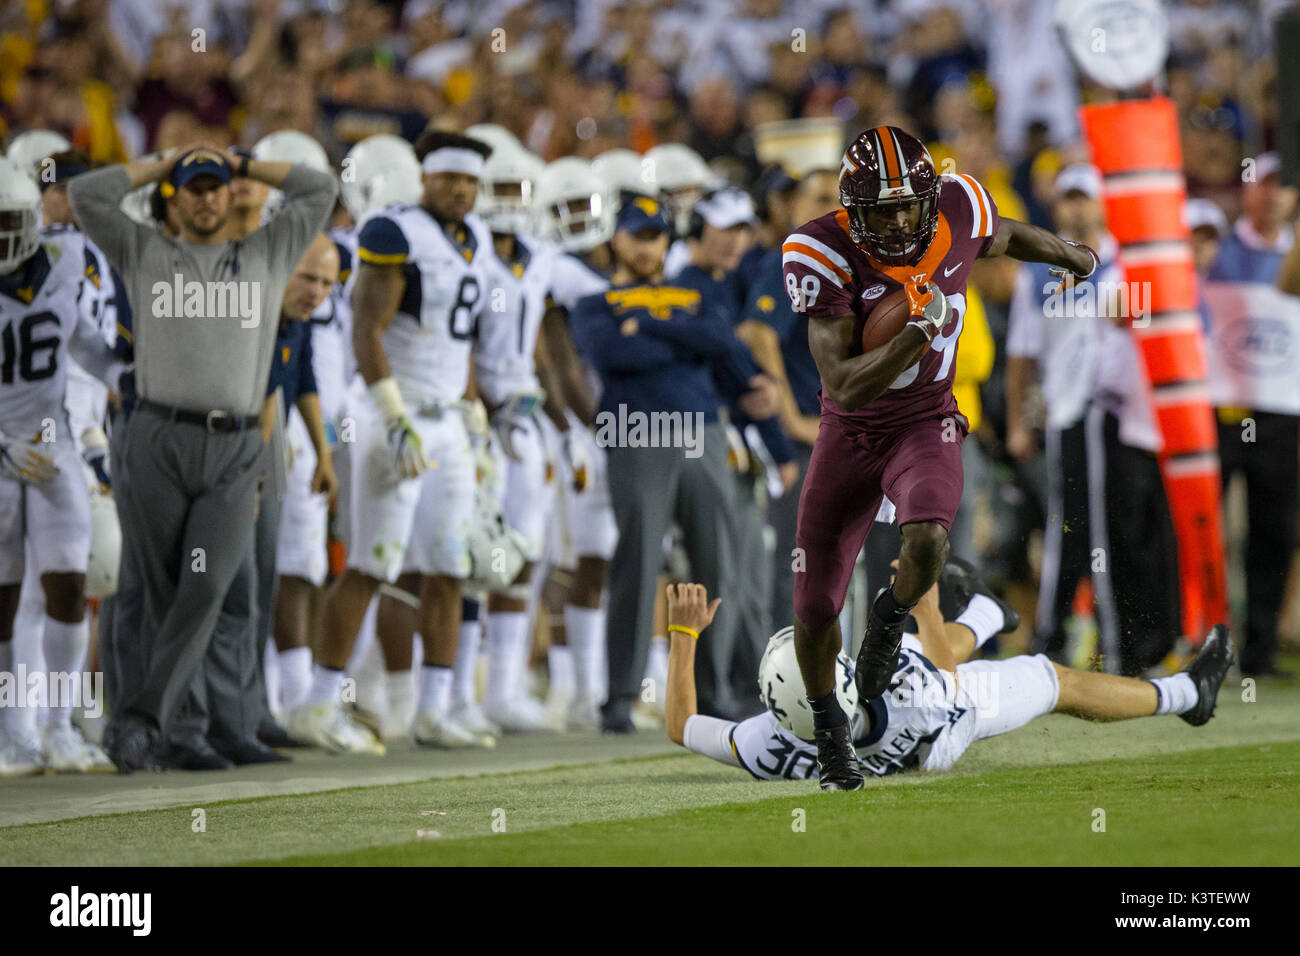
x=24, y=463
x=94, y=452
x=930, y=308
x=404, y=445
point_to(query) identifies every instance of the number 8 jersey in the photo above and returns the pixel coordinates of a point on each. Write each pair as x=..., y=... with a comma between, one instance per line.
x=430, y=339
x=827, y=275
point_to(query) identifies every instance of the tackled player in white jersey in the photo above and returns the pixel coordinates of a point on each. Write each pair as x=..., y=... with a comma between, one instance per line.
x=46, y=317
x=417, y=298
x=939, y=700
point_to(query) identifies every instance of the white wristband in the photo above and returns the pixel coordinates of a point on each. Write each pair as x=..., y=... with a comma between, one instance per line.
x=387, y=398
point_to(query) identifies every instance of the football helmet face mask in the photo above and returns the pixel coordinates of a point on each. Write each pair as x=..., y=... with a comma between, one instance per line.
x=781, y=686
x=507, y=195
x=20, y=216
x=886, y=171
x=575, y=205
x=377, y=172
x=682, y=176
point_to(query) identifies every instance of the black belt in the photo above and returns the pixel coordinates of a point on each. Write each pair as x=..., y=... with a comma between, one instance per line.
x=215, y=421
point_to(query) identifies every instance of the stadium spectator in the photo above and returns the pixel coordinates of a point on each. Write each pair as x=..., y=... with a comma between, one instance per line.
x=1268, y=456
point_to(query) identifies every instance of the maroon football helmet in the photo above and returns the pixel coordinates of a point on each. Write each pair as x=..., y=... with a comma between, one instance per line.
x=883, y=168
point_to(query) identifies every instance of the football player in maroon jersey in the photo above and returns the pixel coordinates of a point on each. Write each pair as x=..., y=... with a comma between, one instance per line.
x=889, y=423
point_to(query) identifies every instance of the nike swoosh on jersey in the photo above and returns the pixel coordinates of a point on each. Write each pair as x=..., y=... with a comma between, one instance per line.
x=948, y=272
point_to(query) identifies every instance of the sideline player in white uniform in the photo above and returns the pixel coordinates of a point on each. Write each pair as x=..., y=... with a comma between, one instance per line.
x=510, y=366
x=577, y=214
x=44, y=499
x=86, y=401
x=417, y=297
x=938, y=702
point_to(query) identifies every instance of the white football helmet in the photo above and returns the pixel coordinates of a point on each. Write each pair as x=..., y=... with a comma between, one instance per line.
x=289, y=146
x=627, y=172
x=498, y=137
x=496, y=551
x=29, y=148
x=781, y=686
x=507, y=191
x=20, y=216
x=378, y=171
x=575, y=204
x=682, y=176
x=105, y=544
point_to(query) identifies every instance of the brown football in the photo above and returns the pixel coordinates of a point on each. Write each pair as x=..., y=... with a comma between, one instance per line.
x=886, y=320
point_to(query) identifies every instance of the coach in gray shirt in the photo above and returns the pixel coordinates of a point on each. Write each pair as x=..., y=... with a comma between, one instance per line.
x=205, y=312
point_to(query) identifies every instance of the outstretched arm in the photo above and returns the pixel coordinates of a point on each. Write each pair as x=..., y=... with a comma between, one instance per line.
x=689, y=608
x=1020, y=240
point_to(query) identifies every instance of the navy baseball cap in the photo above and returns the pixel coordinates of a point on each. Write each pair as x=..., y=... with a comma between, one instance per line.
x=198, y=162
x=642, y=212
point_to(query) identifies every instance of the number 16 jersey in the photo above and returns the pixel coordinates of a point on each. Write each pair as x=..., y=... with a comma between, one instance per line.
x=429, y=341
x=827, y=275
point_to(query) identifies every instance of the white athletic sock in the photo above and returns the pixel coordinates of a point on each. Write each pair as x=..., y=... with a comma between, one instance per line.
x=559, y=665
x=326, y=686
x=1177, y=694
x=435, y=690
x=399, y=701
x=983, y=617
x=65, y=647
x=506, y=632
x=465, y=669
x=295, y=676
x=583, y=629
x=656, y=665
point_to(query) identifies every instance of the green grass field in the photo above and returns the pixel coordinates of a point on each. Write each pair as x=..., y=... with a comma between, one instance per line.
x=1172, y=795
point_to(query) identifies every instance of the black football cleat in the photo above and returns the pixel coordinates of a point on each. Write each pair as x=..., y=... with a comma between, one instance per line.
x=959, y=582
x=1207, y=670
x=837, y=761
x=878, y=656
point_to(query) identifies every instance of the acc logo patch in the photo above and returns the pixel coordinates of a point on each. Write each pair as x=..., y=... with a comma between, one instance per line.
x=873, y=291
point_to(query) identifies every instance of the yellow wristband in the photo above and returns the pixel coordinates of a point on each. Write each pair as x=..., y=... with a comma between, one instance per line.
x=683, y=630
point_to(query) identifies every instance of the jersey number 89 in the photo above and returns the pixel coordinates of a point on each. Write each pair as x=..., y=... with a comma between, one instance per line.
x=803, y=292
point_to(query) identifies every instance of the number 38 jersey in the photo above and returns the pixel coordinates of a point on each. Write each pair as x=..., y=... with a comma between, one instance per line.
x=891, y=733
x=827, y=275
x=42, y=305
x=429, y=341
